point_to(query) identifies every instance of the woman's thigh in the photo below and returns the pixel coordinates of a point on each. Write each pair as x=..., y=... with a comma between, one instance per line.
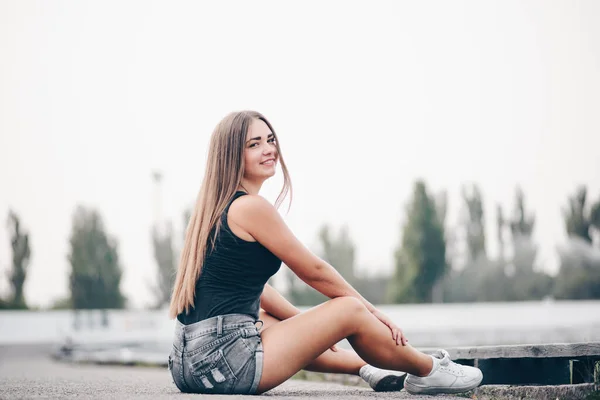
x=292, y=344
x=267, y=319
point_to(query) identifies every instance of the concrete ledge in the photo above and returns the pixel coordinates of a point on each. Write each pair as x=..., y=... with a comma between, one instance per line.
x=539, y=364
x=570, y=350
x=584, y=391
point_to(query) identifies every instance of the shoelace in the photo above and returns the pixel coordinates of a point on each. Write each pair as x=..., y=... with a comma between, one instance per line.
x=450, y=366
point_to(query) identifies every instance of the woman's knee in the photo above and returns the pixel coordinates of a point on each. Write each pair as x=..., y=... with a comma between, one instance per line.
x=349, y=312
x=349, y=305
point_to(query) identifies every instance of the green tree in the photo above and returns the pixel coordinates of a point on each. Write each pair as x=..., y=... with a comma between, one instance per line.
x=525, y=282
x=21, y=254
x=579, y=219
x=441, y=204
x=484, y=279
x=475, y=223
x=339, y=252
x=595, y=216
x=470, y=283
x=500, y=223
x=521, y=229
x=421, y=257
x=164, y=254
x=579, y=273
x=95, y=276
x=62, y=303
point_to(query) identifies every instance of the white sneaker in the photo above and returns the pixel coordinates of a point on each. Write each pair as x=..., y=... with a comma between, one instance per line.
x=382, y=380
x=445, y=377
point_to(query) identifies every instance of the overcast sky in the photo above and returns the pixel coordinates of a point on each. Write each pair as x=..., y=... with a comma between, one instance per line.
x=366, y=97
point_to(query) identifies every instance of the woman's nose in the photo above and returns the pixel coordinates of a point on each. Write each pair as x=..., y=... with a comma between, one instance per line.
x=268, y=150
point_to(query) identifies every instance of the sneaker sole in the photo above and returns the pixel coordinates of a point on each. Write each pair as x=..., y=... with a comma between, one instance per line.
x=414, y=389
x=391, y=383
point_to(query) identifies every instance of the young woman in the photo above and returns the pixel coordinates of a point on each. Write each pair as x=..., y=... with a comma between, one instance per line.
x=236, y=334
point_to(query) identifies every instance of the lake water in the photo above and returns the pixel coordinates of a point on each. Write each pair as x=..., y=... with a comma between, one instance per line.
x=426, y=325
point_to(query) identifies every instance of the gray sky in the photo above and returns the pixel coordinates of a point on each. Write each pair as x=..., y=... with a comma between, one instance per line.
x=366, y=97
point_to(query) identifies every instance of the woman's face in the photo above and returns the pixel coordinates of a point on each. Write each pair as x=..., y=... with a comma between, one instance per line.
x=260, y=152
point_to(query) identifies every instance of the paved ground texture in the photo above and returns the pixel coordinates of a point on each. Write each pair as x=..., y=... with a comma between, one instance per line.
x=28, y=372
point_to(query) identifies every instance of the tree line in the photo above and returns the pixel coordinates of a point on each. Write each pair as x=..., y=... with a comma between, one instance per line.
x=432, y=262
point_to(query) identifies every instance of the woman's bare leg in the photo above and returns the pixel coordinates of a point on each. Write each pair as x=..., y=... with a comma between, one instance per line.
x=337, y=362
x=293, y=344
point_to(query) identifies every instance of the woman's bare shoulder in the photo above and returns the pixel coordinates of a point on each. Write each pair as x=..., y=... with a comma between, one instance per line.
x=249, y=207
x=259, y=218
x=251, y=202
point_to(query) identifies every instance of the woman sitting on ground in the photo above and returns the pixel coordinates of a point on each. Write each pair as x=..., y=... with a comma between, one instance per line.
x=235, y=333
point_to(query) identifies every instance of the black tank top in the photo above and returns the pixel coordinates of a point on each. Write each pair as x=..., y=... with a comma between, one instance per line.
x=233, y=275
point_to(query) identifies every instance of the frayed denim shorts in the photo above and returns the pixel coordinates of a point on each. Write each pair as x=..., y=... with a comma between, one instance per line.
x=222, y=354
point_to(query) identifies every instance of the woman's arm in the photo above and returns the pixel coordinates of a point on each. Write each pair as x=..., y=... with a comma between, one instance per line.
x=275, y=304
x=260, y=219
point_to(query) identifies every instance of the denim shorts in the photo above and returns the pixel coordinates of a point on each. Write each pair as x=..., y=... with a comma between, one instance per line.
x=222, y=354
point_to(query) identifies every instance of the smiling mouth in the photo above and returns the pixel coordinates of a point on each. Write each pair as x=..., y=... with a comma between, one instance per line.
x=268, y=162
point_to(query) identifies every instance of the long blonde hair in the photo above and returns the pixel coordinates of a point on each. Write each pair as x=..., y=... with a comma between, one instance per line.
x=223, y=174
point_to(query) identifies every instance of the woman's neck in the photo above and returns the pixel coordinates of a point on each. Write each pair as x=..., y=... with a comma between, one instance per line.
x=250, y=187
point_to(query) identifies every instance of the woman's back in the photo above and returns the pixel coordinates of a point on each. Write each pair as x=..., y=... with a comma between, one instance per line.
x=233, y=275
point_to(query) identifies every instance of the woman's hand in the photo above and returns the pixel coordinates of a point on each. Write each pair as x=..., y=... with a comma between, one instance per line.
x=397, y=334
x=333, y=348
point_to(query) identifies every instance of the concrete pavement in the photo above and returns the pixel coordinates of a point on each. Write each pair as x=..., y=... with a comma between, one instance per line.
x=29, y=372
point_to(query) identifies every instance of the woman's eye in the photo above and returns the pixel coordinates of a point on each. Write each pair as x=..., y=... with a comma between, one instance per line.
x=271, y=140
